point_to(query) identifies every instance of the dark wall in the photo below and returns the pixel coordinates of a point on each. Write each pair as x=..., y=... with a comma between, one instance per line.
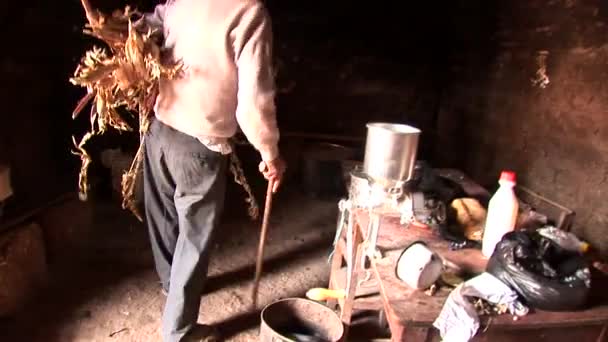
x=556, y=138
x=37, y=57
x=340, y=66
x=42, y=44
x=343, y=64
x=460, y=71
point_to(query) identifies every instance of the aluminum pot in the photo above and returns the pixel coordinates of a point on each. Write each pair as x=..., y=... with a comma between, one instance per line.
x=418, y=266
x=390, y=152
x=298, y=319
x=364, y=193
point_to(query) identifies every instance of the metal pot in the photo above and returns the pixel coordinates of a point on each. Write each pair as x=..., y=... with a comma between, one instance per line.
x=418, y=266
x=364, y=193
x=301, y=320
x=390, y=152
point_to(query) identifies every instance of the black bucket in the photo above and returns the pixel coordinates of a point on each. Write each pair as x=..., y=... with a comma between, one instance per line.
x=300, y=320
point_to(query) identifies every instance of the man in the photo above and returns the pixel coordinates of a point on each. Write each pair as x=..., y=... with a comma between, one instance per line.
x=226, y=47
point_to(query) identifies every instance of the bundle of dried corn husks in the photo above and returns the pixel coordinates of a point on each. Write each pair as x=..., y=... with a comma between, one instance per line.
x=126, y=76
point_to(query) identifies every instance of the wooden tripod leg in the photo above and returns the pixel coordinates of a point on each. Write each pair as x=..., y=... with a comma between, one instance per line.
x=336, y=265
x=349, y=301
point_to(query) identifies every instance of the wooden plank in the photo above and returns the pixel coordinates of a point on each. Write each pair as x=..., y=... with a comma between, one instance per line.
x=416, y=334
x=603, y=336
x=496, y=334
x=392, y=235
x=552, y=334
x=562, y=216
x=367, y=296
x=349, y=302
x=414, y=308
x=366, y=289
x=336, y=264
x=407, y=308
x=8, y=222
x=404, y=305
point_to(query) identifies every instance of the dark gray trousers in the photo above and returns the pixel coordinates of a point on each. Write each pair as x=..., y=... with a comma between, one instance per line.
x=184, y=188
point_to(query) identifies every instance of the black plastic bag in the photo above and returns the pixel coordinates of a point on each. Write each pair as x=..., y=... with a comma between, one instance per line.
x=546, y=276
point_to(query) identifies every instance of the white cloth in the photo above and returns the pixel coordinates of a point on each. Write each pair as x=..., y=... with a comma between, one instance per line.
x=228, y=82
x=458, y=320
x=219, y=145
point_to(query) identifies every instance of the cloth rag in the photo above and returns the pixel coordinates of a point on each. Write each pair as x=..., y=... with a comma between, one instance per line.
x=458, y=320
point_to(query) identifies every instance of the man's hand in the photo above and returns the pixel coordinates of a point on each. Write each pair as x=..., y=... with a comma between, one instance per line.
x=273, y=171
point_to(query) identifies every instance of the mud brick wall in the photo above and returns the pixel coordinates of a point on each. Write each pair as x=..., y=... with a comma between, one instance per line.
x=35, y=124
x=556, y=138
x=342, y=64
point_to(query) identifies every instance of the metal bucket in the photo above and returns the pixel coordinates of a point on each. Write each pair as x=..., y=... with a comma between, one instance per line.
x=390, y=152
x=297, y=319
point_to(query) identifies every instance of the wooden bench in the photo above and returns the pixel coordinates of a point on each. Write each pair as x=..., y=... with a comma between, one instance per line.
x=410, y=313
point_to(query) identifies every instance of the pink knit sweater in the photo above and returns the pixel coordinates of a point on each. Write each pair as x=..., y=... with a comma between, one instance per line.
x=226, y=47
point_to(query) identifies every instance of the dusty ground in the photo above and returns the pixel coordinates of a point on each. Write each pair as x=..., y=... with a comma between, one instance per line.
x=111, y=292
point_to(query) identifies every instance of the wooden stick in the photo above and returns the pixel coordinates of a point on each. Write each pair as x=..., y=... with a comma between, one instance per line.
x=260, y=256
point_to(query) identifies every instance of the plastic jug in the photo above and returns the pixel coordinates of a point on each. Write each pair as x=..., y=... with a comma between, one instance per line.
x=502, y=213
x=564, y=239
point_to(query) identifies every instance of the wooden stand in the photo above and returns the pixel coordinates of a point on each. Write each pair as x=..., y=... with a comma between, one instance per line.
x=410, y=313
x=358, y=296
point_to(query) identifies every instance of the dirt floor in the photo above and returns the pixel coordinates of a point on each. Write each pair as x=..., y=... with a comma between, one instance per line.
x=111, y=291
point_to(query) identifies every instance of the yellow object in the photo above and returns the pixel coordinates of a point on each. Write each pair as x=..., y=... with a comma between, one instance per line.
x=471, y=216
x=451, y=279
x=320, y=294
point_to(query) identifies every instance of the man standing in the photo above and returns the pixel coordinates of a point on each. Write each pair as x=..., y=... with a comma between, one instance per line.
x=226, y=48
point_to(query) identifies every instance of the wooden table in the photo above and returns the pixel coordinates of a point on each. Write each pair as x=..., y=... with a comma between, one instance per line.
x=410, y=313
x=366, y=295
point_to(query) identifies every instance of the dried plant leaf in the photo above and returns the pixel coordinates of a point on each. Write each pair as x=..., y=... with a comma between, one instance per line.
x=81, y=104
x=125, y=76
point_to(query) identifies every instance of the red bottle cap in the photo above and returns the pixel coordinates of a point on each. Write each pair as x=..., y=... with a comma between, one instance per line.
x=508, y=176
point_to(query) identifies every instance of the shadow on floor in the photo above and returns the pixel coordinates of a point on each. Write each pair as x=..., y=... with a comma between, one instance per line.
x=60, y=304
x=95, y=276
x=88, y=290
x=274, y=264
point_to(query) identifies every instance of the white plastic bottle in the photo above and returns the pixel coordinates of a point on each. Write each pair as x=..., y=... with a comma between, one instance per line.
x=502, y=213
